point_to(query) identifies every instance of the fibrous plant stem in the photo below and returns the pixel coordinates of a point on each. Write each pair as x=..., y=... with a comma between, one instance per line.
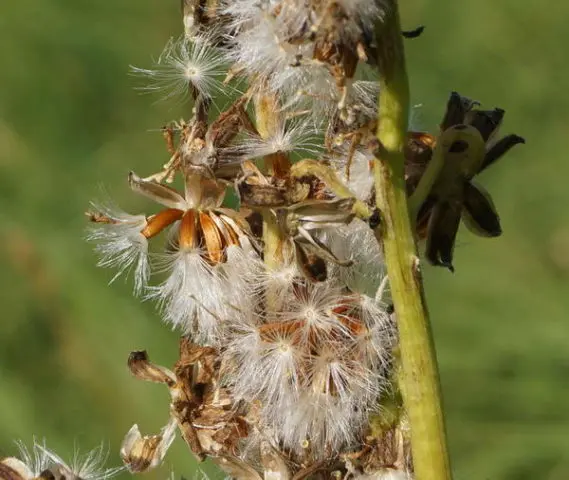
x=267, y=117
x=420, y=379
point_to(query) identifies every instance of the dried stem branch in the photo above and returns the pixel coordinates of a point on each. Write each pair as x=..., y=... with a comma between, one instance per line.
x=276, y=164
x=328, y=176
x=420, y=379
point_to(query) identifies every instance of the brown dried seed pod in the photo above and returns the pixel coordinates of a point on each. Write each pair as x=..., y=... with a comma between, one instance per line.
x=212, y=238
x=157, y=223
x=188, y=234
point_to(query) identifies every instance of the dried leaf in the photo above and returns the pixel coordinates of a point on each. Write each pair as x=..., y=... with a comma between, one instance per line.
x=315, y=246
x=237, y=468
x=312, y=266
x=261, y=196
x=274, y=465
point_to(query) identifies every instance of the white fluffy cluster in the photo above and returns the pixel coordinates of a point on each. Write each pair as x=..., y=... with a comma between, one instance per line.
x=277, y=43
x=312, y=357
x=298, y=50
x=316, y=355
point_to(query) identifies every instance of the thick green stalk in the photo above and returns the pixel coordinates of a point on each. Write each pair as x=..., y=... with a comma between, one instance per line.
x=420, y=380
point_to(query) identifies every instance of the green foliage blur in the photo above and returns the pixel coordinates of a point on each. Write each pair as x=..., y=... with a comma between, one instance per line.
x=70, y=121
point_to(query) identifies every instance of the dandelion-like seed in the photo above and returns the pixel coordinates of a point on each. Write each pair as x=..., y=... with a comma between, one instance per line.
x=122, y=243
x=297, y=136
x=185, y=65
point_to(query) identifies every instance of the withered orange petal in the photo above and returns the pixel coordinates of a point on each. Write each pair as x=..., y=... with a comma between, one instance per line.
x=188, y=238
x=160, y=221
x=212, y=237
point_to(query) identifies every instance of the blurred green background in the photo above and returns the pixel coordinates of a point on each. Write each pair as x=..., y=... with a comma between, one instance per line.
x=70, y=122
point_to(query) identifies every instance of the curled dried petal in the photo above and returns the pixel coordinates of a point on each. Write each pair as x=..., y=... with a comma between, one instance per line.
x=141, y=367
x=479, y=213
x=500, y=148
x=141, y=454
x=443, y=227
x=161, y=194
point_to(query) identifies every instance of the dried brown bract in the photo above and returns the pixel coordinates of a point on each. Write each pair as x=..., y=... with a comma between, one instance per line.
x=200, y=408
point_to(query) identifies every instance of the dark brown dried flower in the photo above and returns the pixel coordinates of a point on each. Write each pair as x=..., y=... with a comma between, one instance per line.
x=454, y=194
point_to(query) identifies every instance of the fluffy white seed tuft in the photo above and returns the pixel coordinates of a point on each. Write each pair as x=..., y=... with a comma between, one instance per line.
x=185, y=64
x=357, y=242
x=88, y=466
x=121, y=245
x=192, y=296
x=313, y=307
x=292, y=136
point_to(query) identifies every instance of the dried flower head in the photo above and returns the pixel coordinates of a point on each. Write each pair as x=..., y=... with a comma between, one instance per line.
x=454, y=194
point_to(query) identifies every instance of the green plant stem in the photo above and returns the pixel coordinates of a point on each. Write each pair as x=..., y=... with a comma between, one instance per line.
x=420, y=380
